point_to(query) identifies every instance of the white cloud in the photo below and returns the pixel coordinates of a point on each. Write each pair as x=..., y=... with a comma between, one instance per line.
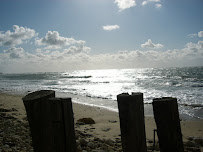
x=191, y=55
x=156, y=1
x=192, y=35
x=54, y=41
x=148, y=1
x=144, y=3
x=151, y=45
x=152, y=1
x=17, y=37
x=110, y=27
x=125, y=4
x=158, y=6
x=71, y=54
x=200, y=33
x=52, y=47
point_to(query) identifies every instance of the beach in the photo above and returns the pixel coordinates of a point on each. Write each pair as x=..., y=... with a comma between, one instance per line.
x=106, y=129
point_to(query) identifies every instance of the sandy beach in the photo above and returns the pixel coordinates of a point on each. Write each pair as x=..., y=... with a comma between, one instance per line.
x=106, y=122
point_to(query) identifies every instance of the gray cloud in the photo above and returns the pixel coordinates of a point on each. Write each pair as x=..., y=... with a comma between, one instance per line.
x=17, y=37
x=200, y=33
x=77, y=49
x=15, y=53
x=77, y=57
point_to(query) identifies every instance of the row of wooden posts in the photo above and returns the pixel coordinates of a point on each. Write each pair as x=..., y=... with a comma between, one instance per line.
x=52, y=124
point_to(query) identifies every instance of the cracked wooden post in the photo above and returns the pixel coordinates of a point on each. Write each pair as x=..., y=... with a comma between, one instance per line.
x=168, y=124
x=132, y=124
x=51, y=122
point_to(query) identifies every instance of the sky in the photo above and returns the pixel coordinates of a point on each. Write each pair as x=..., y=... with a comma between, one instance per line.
x=62, y=35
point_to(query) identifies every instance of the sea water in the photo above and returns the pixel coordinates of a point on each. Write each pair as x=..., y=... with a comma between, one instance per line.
x=100, y=87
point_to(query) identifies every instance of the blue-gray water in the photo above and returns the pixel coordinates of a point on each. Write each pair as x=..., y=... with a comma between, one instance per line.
x=186, y=84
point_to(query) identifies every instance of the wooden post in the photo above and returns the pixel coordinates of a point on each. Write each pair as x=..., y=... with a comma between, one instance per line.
x=123, y=107
x=168, y=124
x=69, y=129
x=51, y=122
x=36, y=112
x=132, y=124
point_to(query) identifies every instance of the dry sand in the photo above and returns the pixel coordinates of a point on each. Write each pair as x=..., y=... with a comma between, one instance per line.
x=107, y=122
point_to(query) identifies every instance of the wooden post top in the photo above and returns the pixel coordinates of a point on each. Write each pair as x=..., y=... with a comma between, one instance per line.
x=137, y=94
x=164, y=99
x=123, y=95
x=38, y=94
x=60, y=99
x=126, y=94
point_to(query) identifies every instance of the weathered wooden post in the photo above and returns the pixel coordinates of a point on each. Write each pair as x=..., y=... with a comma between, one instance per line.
x=168, y=124
x=51, y=122
x=123, y=107
x=132, y=124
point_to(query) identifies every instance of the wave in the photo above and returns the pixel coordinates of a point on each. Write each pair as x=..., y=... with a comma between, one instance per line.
x=192, y=105
x=53, y=83
x=197, y=86
x=105, y=82
x=40, y=76
x=76, y=77
x=185, y=84
x=34, y=76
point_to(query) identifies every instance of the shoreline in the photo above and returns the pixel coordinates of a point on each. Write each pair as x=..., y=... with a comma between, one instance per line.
x=100, y=102
x=106, y=125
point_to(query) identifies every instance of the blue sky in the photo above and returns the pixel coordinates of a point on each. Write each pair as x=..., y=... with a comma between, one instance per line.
x=99, y=34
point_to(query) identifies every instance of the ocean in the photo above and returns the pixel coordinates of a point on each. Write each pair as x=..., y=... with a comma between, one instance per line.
x=100, y=87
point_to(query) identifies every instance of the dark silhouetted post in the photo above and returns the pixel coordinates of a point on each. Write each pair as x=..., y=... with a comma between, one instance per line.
x=168, y=124
x=51, y=122
x=132, y=124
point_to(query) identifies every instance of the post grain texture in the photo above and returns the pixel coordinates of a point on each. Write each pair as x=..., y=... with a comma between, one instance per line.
x=168, y=124
x=132, y=124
